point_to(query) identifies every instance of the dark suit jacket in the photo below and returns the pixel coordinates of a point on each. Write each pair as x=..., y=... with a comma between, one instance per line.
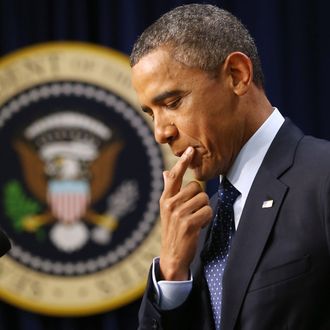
x=278, y=271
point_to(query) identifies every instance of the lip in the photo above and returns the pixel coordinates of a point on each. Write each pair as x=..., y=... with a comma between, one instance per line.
x=180, y=153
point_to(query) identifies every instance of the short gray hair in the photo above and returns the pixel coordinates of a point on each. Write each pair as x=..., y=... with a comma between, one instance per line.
x=201, y=36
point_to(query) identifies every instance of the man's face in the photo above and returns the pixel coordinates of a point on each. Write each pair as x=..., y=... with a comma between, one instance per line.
x=191, y=108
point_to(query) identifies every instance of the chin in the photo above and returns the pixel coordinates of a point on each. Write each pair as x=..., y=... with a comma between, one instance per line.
x=202, y=175
x=204, y=168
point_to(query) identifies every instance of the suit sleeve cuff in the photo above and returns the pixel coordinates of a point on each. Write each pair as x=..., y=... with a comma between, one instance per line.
x=170, y=294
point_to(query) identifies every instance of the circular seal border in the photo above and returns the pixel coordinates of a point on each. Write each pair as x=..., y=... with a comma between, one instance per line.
x=110, y=288
x=150, y=214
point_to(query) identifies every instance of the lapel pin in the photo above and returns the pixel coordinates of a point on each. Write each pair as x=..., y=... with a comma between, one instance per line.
x=267, y=204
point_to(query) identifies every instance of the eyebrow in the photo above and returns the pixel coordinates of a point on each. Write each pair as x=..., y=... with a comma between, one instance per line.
x=161, y=97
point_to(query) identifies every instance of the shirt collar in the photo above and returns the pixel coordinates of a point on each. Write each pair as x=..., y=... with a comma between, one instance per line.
x=249, y=159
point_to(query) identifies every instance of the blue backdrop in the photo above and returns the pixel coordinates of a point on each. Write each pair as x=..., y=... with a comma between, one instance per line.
x=293, y=37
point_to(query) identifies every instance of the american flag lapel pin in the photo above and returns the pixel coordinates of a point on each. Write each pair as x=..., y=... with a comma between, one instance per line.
x=267, y=204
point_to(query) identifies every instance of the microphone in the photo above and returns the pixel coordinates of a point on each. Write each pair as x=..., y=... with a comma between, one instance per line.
x=4, y=243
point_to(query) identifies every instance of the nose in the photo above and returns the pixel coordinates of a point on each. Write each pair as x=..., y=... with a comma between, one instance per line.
x=165, y=132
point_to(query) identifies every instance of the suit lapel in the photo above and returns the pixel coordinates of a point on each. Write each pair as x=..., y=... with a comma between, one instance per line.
x=257, y=222
x=255, y=226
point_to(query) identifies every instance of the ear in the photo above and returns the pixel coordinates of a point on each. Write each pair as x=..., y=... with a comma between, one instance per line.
x=239, y=69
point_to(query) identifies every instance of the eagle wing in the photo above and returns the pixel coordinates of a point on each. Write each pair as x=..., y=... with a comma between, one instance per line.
x=102, y=169
x=33, y=169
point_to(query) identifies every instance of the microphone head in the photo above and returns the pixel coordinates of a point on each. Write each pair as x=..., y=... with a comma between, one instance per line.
x=4, y=243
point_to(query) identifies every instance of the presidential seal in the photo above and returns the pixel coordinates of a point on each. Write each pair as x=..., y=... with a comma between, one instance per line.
x=80, y=179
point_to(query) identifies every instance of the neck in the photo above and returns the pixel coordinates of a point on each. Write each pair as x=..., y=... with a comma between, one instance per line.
x=256, y=108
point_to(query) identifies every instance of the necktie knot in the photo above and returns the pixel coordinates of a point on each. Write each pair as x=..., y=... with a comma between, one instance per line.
x=227, y=192
x=227, y=195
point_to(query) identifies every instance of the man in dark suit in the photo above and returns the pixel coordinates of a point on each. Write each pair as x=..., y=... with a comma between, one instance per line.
x=196, y=71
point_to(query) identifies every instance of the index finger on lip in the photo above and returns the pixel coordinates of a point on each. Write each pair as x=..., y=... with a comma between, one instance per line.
x=173, y=178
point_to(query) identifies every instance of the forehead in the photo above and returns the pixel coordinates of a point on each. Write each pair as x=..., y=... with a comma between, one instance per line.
x=159, y=72
x=159, y=63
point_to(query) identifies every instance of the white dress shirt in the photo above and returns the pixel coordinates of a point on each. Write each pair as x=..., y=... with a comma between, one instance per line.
x=172, y=294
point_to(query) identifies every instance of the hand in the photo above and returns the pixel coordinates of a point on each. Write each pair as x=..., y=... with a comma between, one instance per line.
x=184, y=212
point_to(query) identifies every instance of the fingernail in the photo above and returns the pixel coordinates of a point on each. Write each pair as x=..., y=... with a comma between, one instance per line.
x=189, y=151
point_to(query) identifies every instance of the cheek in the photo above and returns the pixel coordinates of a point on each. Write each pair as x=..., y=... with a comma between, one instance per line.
x=189, y=131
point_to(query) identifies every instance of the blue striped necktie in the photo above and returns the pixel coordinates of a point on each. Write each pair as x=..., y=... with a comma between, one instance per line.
x=216, y=256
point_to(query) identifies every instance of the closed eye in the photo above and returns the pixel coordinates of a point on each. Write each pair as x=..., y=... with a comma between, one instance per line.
x=172, y=105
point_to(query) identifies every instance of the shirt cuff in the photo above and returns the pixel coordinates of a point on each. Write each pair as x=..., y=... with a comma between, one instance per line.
x=170, y=294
